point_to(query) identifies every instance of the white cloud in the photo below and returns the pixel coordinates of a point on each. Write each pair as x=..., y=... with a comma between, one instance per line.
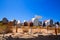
x=33, y=19
x=24, y=20
x=18, y=22
x=37, y=16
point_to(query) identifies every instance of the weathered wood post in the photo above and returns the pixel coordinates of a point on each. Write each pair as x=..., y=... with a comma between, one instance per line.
x=16, y=29
x=55, y=30
x=47, y=28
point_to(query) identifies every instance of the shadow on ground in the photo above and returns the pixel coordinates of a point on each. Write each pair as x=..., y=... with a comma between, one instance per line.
x=40, y=37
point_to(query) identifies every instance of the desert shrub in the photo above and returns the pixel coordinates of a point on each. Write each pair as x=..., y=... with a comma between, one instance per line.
x=25, y=24
x=31, y=24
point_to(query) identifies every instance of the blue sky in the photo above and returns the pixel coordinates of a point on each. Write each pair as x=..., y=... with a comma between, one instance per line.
x=27, y=9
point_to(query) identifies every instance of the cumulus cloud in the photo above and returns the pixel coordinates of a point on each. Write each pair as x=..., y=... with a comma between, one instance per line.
x=37, y=16
x=24, y=20
x=18, y=21
x=33, y=19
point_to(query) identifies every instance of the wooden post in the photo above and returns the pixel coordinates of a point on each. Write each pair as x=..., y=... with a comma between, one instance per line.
x=40, y=29
x=47, y=29
x=55, y=30
x=16, y=28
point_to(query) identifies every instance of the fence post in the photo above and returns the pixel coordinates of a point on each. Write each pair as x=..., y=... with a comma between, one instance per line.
x=55, y=30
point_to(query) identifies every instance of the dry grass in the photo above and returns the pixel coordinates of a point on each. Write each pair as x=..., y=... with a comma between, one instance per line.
x=34, y=27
